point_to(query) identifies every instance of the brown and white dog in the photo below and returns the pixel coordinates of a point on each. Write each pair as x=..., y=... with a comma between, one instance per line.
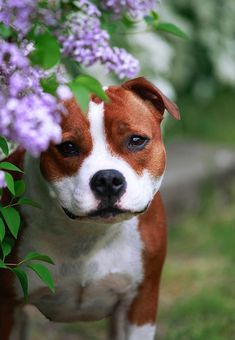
x=102, y=220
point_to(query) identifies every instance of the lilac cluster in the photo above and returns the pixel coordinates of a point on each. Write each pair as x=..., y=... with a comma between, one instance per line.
x=135, y=8
x=17, y=13
x=81, y=37
x=20, y=14
x=87, y=8
x=120, y=62
x=27, y=115
x=85, y=41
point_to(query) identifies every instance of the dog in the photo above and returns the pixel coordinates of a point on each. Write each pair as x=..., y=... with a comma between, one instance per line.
x=101, y=220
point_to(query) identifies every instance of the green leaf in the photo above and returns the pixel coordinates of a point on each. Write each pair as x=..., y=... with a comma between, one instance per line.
x=43, y=4
x=36, y=256
x=72, y=67
x=2, y=229
x=111, y=27
x=31, y=35
x=19, y=187
x=47, y=50
x=81, y=94
x=23, y=279
x=44, y=274
x=93, y=85
x=27, y=201
x=5, y=31
x=12, y=218
x=49, y=85
x=155, y=15
x=152, y=18
x=7, y=246
x=4, y=146
x=9, y=166
x=10, y=182
x=149, y=19
x=2, y=264
x=171, y=28
x=128, y=21
x=82, y=86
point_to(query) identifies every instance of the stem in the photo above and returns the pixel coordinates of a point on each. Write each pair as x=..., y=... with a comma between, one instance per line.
x=15, y=264
x=11, y=205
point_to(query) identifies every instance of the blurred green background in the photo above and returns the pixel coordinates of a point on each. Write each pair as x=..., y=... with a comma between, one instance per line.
x=198, y=286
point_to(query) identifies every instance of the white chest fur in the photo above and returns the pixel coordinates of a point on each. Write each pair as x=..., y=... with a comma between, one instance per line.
x=95, y=266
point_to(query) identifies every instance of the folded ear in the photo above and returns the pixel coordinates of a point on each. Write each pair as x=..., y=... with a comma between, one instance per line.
x=148, y=92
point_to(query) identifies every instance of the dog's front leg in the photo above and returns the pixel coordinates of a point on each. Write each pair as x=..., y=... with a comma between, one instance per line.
x=137, y=320
x=141, y=317
x=118, y=325
x=132, y=323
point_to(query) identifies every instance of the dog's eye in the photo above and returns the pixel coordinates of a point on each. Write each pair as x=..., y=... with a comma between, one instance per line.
x=68, y=149
x=137, y=143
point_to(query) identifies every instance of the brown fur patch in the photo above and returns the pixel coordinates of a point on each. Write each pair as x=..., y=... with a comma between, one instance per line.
x=152, y=96
x=75, y=127
x=95, y=99
x=128, y=115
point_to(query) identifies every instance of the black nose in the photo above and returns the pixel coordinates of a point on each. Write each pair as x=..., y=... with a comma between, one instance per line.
x=108, y=184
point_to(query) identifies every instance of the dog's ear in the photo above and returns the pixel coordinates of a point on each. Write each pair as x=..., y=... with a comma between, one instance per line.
x=148, y=92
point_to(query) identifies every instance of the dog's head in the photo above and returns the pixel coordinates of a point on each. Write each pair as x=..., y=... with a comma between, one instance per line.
x=111, y=162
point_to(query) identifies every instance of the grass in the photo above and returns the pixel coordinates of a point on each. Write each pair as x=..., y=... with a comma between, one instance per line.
x=198, y=284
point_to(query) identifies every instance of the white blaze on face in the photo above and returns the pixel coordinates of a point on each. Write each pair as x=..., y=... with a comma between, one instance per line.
x=75, y=193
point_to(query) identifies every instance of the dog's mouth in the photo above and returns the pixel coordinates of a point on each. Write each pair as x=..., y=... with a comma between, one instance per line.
x=108, y=212
x=69, y=214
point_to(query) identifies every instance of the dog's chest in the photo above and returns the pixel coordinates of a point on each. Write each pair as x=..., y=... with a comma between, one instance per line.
x=91, y=273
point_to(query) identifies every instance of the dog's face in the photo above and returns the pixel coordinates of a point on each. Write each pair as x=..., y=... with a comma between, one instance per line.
x=111, y=161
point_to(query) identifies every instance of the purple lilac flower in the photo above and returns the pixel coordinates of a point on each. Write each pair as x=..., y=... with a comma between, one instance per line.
x=87, y=43
x=2, y=179
x=81, y=37
x=64, y=92
x=120, y=62
x=87, y=7
x=135, y=8
x=27, y=115
x=20, y=14
x=86, y=40
x=17, y=13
